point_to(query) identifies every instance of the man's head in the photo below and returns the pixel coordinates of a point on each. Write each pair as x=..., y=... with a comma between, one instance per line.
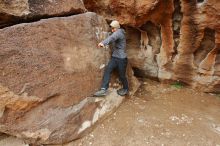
x=115, y=25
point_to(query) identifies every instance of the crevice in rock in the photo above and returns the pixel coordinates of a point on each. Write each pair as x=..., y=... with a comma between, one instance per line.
x=177, y=19
x=206, y=45
x=14, y=20
x=139, y=73
x=200, y=1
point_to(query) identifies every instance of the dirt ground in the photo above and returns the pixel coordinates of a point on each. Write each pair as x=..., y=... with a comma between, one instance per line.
x=160, y=115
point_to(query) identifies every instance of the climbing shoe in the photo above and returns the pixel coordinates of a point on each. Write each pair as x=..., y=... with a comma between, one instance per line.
x=101, y=92
x=122, y=92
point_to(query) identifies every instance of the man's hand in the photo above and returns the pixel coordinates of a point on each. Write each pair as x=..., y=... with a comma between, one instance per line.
x=101, y=45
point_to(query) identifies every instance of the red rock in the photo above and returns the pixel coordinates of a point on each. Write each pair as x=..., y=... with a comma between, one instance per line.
x=22, y=10
x=49, y=70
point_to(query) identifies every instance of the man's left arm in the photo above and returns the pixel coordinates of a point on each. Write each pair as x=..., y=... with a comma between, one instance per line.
x=109, y=40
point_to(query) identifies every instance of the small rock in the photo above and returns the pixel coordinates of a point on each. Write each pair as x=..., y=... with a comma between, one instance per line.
x=141, y=120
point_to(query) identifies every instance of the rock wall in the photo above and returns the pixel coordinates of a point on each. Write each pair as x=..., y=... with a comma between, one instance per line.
x=172, y=40
x=17, y=11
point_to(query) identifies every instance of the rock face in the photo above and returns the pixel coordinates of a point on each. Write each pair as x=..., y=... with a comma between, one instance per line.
x=14, y=11
x=49, y=70
x=170, y=39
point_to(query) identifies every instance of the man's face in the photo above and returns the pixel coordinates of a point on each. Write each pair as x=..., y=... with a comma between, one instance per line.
x=113, y=29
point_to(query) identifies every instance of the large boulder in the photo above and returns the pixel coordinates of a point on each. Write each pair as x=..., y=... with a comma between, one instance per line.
x=170, y=39
x=15, y=11
x=49, y=70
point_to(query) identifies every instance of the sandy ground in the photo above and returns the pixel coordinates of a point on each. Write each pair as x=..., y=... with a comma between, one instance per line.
x=158, y=115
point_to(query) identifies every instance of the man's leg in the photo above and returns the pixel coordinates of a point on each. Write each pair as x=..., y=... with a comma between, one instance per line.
x=122, y=66
x=107, y=74
x=106, y=78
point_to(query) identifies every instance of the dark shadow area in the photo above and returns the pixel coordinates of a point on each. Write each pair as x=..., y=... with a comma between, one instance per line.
x=177, y=19
x=9, y=20
x=200, y=1
x=142, y=74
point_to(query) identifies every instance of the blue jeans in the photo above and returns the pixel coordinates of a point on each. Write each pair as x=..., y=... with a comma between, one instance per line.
x=120, y=65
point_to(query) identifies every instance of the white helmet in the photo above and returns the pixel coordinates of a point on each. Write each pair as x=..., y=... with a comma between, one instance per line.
x=115, y=24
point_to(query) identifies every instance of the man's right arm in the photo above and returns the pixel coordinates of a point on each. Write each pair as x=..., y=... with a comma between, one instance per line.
x=110, y=39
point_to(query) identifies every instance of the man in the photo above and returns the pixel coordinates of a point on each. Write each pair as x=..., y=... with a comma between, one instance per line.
x=118, y=60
